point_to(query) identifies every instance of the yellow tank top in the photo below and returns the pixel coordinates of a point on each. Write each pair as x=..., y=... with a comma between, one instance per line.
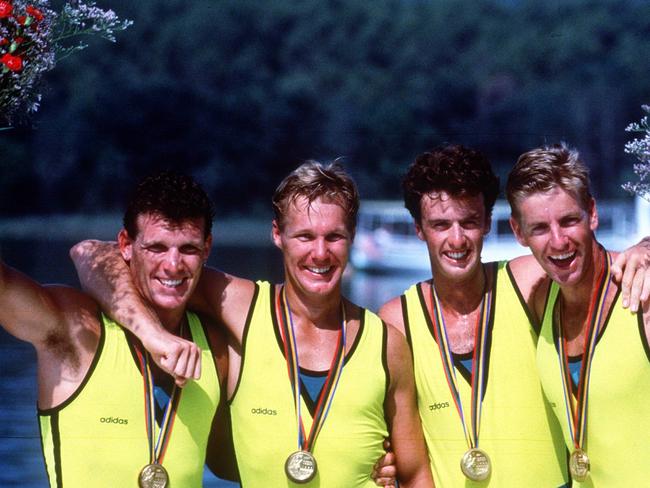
x=618, y=425
x=264, y=422
x=516, y=431
x=97, y=438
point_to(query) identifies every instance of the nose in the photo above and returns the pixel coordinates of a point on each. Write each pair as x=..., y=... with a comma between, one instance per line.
x=172, y=260
x=320, y=249
x=558, y=238
x=456, y=236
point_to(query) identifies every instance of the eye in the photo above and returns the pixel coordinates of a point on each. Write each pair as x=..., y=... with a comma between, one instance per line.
x=190, y=250
x=304, y=237
x=156, y=248
x=470, y=224
x=439, y=225
x=336, y=237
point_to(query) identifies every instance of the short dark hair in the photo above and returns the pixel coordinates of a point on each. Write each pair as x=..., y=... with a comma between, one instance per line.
x=314, y=180
x=452, y=168
x=173, y=196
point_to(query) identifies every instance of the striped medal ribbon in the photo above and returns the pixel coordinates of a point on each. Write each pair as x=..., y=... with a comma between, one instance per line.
x=475, y=463
x=154, y=474
x=300, y=466
x=576, y=407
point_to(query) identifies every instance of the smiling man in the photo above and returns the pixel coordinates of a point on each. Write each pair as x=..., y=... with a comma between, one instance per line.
x=96, y=382
x=593, y=355
x=315, y=382
x=473, y=334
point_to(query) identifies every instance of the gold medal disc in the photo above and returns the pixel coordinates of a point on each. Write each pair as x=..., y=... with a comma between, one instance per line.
x=579, y=465
x=475, y=465
x=300, y=467
x=153, y=476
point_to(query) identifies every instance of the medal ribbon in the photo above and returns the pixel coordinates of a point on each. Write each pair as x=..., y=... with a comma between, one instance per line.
x=283, y=311
x=576, y=408
x=157, y=449
x=478, y=361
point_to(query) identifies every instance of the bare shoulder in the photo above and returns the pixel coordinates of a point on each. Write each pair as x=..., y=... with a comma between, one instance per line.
x=532, y=282
x=391, y=313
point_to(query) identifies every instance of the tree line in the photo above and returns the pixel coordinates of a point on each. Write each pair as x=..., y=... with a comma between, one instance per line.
x=238, y=92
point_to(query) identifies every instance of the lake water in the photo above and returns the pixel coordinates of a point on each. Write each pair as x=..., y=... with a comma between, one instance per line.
x=21, y=463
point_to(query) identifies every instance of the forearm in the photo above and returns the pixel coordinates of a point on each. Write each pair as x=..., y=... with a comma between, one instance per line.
x=105, y=276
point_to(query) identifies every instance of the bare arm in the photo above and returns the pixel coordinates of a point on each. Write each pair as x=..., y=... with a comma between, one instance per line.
x=391, y=313
x=104, y=275
x=401, y=412
x=28, y=310
x=631, y=269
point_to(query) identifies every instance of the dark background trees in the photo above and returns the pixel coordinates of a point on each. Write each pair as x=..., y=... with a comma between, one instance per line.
x=238, y=92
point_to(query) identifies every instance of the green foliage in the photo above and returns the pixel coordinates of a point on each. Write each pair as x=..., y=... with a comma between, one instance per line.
x=238, y=92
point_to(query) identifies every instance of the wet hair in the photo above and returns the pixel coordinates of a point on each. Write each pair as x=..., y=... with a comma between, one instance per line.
x=457, y=170
x=545, y=168
x=173, y=196
x=313, y=180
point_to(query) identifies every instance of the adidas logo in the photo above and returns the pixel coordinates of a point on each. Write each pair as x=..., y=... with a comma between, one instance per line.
x=438, y=406
x=263, y=411
x=113, y=420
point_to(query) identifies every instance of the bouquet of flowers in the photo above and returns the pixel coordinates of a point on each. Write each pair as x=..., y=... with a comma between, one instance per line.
x=33, y=37
x=641, y=149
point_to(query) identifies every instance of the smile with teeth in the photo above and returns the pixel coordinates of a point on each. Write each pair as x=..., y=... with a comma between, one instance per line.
x=170, y=283
x=322, y=270
x=456, y=254
x=562, y=257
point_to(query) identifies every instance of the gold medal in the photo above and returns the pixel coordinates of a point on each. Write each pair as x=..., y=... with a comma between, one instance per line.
x=475, y=465
x=579, y=465
x=300, y=467
x=153, y=476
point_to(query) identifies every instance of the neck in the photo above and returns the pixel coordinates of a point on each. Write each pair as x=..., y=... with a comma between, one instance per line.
x=171, y=320
x=464, y=296
x=323, y=312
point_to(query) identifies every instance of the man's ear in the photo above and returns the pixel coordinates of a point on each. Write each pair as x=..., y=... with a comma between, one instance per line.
x=125, y=244
x=592, y=211
x=275, y=234
x=208, y=248
x=418, y=230
x=517, y=231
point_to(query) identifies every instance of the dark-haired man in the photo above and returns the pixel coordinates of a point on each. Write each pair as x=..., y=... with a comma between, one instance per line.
x=98, y=428
x=472, y=340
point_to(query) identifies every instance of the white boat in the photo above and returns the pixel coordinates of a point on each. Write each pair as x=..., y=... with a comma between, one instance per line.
x=386, y=241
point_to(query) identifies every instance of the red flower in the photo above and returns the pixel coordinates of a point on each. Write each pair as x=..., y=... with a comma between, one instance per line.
x=18, y=40
x=34, y=12
x=14, y=63
x=5, y=9
x=21, y=19
x=4, y=41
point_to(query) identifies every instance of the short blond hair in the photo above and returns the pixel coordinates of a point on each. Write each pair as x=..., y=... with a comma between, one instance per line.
x=313, y=180
x=545, y=168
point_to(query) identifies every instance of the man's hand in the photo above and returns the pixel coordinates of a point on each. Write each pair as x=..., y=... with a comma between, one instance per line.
x=631, y=269
x=175, y=356
x=384, y=472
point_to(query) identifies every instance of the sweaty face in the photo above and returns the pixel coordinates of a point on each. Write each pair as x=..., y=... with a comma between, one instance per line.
x=559, y=233
x=315, y=244
x=165, y=260
x=453, y=228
